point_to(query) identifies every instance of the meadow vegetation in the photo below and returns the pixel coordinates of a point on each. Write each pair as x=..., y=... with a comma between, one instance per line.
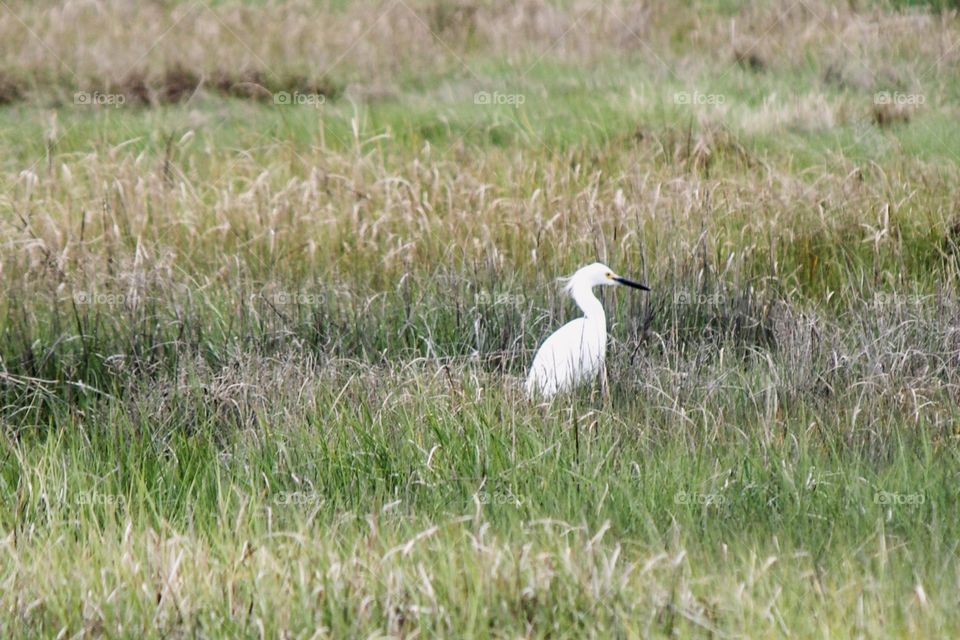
x=272, y=273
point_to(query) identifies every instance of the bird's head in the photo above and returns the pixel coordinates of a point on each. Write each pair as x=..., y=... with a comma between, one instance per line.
x=600, y=275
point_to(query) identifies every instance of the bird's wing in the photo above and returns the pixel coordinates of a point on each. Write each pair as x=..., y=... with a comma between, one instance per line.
x=562, y=360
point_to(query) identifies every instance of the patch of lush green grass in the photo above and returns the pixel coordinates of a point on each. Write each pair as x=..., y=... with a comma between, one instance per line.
x=543, y=106
x=785, y=499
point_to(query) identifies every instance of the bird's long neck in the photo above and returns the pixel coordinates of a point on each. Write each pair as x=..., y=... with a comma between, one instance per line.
x=588, y=303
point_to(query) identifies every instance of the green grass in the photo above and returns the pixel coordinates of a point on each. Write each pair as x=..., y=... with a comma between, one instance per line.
x=784, y=500
x=261, y=365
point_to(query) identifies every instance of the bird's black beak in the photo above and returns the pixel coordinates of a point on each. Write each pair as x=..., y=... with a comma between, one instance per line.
x=631, y=283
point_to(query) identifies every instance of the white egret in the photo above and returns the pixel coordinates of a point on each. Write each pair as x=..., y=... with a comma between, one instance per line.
x=574, y=354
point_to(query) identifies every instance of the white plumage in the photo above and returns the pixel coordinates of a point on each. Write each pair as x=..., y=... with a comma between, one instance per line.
x=573, y=355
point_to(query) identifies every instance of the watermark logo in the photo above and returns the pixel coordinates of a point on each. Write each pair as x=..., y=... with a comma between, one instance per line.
x=498, y=497
x=698, y=98
x=899, y=499
x=894, y=299
x=100, y=499
x=85, y=98
x=484, y=297
x=298, y=298
x=701, y=499
x=298, y=498
x=497, y=98
x=297, y=99
x=685, y=298
x=102, y=299
x=899, y=98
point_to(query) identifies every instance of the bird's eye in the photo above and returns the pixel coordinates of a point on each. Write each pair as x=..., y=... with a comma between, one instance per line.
x=609, y=275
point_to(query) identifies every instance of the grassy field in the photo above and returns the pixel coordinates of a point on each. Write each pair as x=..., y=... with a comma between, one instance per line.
x=272, y=273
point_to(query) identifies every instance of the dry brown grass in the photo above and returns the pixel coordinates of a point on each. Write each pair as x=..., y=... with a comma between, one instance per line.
x=333, y=215
x=143, y=50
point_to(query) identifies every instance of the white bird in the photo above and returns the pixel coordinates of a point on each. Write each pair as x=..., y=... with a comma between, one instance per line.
x=574, y=354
